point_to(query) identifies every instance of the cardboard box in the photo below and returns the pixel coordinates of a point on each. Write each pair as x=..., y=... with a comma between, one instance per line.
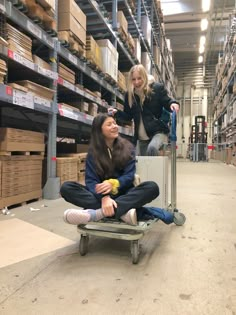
x=93, y=51
x=137, y=49
x=107, y=43
x=122, y=22
x=20, y=175
x=12, y=139
x=41, y=62
x=146, y=28
x=109, y=58
x=156, y=55
x=67, y=22
x=71, y=7
x=146, y=61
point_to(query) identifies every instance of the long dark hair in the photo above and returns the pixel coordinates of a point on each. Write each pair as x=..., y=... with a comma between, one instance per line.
x=122, y=151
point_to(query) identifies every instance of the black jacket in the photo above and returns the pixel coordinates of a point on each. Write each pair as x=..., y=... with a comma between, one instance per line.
x=151, y=111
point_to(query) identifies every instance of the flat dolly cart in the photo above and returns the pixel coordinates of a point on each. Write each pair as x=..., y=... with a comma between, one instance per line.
x=111, y=228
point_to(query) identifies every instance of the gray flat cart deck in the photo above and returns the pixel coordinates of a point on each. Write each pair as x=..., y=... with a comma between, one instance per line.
x=117, y=230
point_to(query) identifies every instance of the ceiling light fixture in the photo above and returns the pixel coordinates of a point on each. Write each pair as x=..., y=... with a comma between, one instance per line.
x=201, y=49
x=200, y=59
x=206, y=5
x=202, y=40
x=204, y=24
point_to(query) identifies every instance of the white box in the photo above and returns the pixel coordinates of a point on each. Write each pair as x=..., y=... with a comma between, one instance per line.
x=146, y=28
x=155, y=168
x=146, y=61
x=137, y=49
x=109, y=58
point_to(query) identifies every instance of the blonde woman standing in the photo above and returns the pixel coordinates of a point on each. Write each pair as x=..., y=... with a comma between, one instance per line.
x=144, y=103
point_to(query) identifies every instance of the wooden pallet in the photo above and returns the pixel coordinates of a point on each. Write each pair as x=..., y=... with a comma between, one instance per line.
x=71, y=42
x=108, y=78
x=91, y=63
x=121, y=89
x=122, y=34
x=37, y=14
x=132, y=5
x=21, y=199
x=11, y=153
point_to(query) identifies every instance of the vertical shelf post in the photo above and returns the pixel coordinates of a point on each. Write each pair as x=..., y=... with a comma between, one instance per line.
x=51, y=190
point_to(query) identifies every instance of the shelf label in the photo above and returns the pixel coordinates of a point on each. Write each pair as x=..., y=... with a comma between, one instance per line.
x=48, y=73
x=23, y=99
x=60, y=81
x=42, y=101
x=88, y=117
x=18, y=58
x=68, y=85
x=60, y=109
x=40, y=69
x=27, y=63
x=34, y=29
x=10, y=54
x=51, y=74
x=69, y=113
x=79, y=91
x=73, y=59
x=9, y=90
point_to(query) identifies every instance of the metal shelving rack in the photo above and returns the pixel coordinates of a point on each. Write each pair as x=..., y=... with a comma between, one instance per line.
x=49, y=116
x=224, y=134
x=160, y=40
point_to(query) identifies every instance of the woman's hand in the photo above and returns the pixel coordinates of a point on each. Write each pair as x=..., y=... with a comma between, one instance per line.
x=174, y=107
x=103, y=188
x=108, y=206
x=111, y=111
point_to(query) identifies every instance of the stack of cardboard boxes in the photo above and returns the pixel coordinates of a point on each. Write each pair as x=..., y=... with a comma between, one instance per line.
x=21, y=156
x=72, y=19
x=67, y=169
x=75, y=154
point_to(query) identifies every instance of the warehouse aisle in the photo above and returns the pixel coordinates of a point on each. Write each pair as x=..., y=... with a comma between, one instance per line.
x=182, y=270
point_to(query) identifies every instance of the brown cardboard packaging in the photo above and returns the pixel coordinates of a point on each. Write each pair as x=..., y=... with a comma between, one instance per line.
x=67, y=22
x=71, y=7
x=12, y=139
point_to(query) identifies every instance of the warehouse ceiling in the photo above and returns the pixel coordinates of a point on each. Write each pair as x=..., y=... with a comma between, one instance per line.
x=182, y=25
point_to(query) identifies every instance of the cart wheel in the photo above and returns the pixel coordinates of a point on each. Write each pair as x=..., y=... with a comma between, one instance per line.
x=179, y=218
x=83, y=245
x=135, y=251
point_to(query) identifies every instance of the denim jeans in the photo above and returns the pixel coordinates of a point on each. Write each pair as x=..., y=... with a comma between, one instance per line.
x=152, y=147
x=135, y=197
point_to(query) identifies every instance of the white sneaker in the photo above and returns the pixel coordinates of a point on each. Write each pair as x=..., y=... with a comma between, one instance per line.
x=76, y=216
x=130, y=217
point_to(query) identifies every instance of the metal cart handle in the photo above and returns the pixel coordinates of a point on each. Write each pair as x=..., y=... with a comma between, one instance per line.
x=173, y=136
x=173, y=139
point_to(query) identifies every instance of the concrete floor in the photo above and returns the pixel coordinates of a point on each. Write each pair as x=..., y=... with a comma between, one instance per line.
x=182, y=270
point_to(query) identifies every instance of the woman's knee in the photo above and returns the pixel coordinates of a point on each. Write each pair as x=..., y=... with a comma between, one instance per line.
x=152, y=187
x=65, y=187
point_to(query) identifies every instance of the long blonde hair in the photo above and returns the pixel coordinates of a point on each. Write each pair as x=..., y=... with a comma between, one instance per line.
x=146, y=90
